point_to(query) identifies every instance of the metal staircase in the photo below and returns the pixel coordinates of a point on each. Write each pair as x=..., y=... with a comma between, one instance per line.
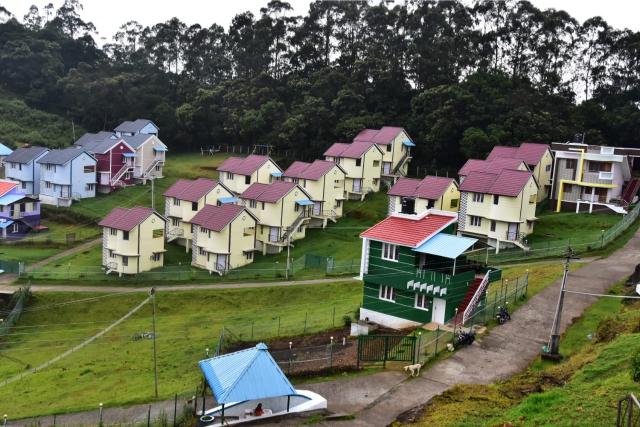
x=116, y=179
x=471, y=299
x=293, y=227
x=403, y=160
x=153, y=164
x=112, y=267
x=174, y=233
x=631, y=190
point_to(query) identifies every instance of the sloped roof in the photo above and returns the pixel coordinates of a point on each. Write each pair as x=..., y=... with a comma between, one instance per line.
x=446, y=245
x=408, y=230
x=529, y=152
x=134, y=126
x=507, y=182
x=431, y=187
x=126, y=219
x=93, y=137
x=218, y=217
x=25, y=154
x=191, y=190
x=383, y=136
x=6, y=186
x=355, y=150
x=493, y=166
x=137, y=140
x=100, y=142
x=312, y=171
x=269, y=193
x=4, y=150
x=249, y=374
x=245, y=165
x=62, y=156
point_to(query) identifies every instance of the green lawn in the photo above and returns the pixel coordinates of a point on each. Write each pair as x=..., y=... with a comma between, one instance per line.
x=570, y=228
x=117, y=370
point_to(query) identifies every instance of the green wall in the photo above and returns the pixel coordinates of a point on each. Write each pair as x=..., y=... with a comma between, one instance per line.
x=403, y=307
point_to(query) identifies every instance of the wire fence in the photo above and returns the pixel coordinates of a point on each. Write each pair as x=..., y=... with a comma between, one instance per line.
x=17, y=303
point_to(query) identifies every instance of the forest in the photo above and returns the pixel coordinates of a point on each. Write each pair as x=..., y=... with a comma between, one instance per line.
x=459, y=76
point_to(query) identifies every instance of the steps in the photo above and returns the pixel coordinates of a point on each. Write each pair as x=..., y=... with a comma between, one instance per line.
x=467, y=299
x=631, y=190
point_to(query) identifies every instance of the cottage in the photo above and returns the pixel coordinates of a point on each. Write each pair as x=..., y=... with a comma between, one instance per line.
x=395, y=144
x=538, y=158
x=325, y=183
x=66, y=175
x=19, y=213
x=594, y=175
x=115, y=159
x=21, y=166
x=362, y=162
x=498, y=206
x=149, y=156
x=415, y=272
x=491, y=166
x=136, y=127
x=283, y=210
x=4, y=152
x=238, y=173
x=132, y=240
x=411, y=196
x=186, y=198
x=224, y=237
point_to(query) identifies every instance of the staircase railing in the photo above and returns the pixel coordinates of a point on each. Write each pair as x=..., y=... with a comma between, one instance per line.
x=627, y=417
x=293, y=226
x=151, y=166
x=121, y=172
x=174, y=233
x=402, y=161
x=473, y=303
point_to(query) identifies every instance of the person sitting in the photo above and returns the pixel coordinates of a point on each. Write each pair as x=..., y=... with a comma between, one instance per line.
x=258, y=412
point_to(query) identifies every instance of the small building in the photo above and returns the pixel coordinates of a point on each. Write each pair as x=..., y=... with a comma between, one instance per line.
x=184, y=199
x=362, y=162
x=21, y=166
x=538, y=158
x=490, y=166
x=19, y=213
x=325, y=183
x=395, y=144
x=115, y=159
x=499, y=207
x=415, y=271
x=224, y=237
x=136, y=127
x=593, y=175
x=132, y=240
x=4, y=152
x=66, y=175
x=150, y=151
x=412, y=196
x=283, y=210
x=238, y=173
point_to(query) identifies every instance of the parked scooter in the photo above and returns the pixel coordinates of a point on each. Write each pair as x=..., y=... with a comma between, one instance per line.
x=466, y=338
x=503, y=315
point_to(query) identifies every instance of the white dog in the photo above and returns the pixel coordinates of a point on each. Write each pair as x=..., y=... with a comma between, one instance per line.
x=414, y=370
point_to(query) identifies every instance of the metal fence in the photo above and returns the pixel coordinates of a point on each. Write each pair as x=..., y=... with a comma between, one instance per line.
x=9, y=318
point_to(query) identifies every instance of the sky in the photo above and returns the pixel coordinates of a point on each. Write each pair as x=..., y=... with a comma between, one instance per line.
x=108, y=15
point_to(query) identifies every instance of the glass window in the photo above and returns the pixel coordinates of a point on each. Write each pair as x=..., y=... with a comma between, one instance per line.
x=194, y=206
x=390, y=252
x=158, y=232
x=387, y=293
x=421, y=302
x=478, y=197
x=476, y=221
x=496, y=199
x=358, y=162
x=125, y=235
x=454, y=203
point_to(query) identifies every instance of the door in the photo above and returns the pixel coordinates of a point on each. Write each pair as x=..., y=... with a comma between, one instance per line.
x=512, y=234
x=221, y=262
x=357, y=185
x=408, y=205
x=439, y=306
x=274, y=234
x=317, y=208
x=386, y=168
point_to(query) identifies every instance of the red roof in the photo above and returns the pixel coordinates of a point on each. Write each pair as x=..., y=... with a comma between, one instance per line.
x=529, y=152
x=507, y=182
x=126, y=219
x=312, y=171
x=218, y=217
x=244, y=165
x=431, y=187
x=355, y=150
x=6, y=186
x=191, y=190
x=270, y=193
x=408, y=230
x=383, y=136
x=492, y=166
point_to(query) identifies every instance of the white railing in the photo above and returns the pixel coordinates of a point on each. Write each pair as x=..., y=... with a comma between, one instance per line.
x=174, y=233
x=151, y=167
x=123, y=170
x=605, y=175
x=476, y=298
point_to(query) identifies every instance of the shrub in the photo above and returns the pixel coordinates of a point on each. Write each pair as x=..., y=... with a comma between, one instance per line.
x=608, y=329
x=346, y=320
x=635, y=368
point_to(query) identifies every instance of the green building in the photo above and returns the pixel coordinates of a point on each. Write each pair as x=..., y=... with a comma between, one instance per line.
x=415, y=272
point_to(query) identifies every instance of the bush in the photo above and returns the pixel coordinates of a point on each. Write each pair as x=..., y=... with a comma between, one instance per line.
x=635, y=368
x=608, y=329
x=346, y=320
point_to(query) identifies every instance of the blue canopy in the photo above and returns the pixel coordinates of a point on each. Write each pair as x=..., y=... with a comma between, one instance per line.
x=277, y=174
x=160, y=149
x=225, y=200
x=408, y=143
x=5, y=224
x=304, y=202
x=129, y=154
x=446, y=245
x=7, y=199
x=249, y=374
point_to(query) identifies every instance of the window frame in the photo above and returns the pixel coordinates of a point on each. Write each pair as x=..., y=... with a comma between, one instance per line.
x=478, y=197
x=424, y=299
x=387, y=293
x=390, y=252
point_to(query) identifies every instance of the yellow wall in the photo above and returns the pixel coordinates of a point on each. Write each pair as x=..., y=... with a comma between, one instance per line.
x=238, y=183
x=369, y=170
x=398, y=150
x=326, y=189
x=443, y=203
x=543, y=176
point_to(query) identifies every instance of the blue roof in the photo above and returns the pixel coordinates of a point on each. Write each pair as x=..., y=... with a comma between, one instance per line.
x=224, y=200
x=277, y=174
x=446, y=245
x=160, y=149
x=5, y=224
x=408, y=143
x=129, y=154
x=304, y=202
x=249, y=374
x=4, y=150
x=7, y=199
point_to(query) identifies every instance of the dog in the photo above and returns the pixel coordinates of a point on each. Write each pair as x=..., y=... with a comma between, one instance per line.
x=414, y=370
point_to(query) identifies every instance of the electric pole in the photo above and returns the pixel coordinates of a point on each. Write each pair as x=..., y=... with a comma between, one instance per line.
x=153, y=201
x=152, y=294
x=553, y=350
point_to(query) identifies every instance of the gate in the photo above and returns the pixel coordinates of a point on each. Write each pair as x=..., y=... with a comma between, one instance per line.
x=383, y=348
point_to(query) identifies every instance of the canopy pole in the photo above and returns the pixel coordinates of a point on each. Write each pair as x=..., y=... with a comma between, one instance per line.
x=454, y=266
x=288, y=402
x=222, y=421
x=204, y=388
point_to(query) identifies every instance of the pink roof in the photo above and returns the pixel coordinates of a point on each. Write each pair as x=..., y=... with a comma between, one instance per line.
x=6, y=186
x=355, y=150
x=269, y=193
x=191, y=190
x=383, y=136
x=431, y=187
x=406, y=231
x=126, y=219
x=530, y=153
x=244, y=165
x=216, y=218
x=495, y=165
x=507, y=182
x=312, y=171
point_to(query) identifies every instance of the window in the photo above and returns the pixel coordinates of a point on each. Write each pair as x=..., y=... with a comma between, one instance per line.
x=229, y=175
x=301, y=229
x=532, y=199
x=296, y=207
x=338, y=203
x=125, y=261
x=387, y=293
x=594, y=167
x=390, y=252
x=13, y=165
x=19, y=166
x=112, y=254
x=496, y=199
x=548, y=168
x=158, y=232
x=48, y=185
x=295, y=180
x=454, y=203
x=202, y=252
x=50, y=167
x=476, y=221
x=253, y=204
x=194, y=206
x=376, y=163
x=23, y=184
x=203, y=230
x=113, y=232
x=358, y=162
x=89, y=187
x=248, y=255
x=155, y=257
x=337, y=160
x=158, y=168
x=247, y=179
x=570, y=163
x=478, y=197
x=389, y=148
x=421, y=302
x=176, y=201
x=89, y=168
x=567, y=188
x=493, y=225
x=374, y=181
x=125, y=235
x=262, y=205
x=175, y=222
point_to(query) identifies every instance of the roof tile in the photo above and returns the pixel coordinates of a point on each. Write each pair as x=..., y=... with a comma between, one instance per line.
x=507, y=182
x=431, y=187
x=312, y=171
x=126, y=219
x=191, y=190
x=244, y=165
x=355, y=150
x=529, y=152
x=217, y=217
x=408, y=230
x=269, y=193
x=495, y=165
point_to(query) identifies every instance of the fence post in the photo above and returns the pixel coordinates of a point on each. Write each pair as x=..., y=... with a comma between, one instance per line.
x=334, y=316
x=175, y=409
x=526, y=282
x=149, y=416
x=416, y=357
x=252, y=322
x=435, y=351
x=289, y=369
x=386, y=348
x=306, y=314
x=504, y=297
x=278, y=326
x=99, y=416
x=331, y=354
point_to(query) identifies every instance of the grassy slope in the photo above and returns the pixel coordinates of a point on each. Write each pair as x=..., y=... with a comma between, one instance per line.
x=553, y=228
x=118, y=370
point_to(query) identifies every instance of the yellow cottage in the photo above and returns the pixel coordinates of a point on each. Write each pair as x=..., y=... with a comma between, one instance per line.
x=395, y=144
x=362, y=162
x=414, y=196
x=238, y=173
x=132, y=240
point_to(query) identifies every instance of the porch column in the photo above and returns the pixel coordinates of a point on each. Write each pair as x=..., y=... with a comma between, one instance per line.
x=454, y=266
x=593, y=194
x=363, y=258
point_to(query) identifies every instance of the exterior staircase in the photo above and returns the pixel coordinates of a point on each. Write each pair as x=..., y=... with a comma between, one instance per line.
x=112, y=267
x=174, y=233
x=631, y=190
x=471, y=299
x=153, y=164
x=115, y=179
x=293, y=227
x=403, y=160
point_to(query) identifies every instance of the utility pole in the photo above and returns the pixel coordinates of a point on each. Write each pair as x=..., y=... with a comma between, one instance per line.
x=152, y=294
x=286, y=273
x=153, y=201
x=553, y=350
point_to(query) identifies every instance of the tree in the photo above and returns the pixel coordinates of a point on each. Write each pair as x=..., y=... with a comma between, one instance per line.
x=69, y=21
x=32, y=19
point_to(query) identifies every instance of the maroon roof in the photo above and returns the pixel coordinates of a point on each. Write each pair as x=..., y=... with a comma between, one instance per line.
x=355, y=150
x=383, y=136
x=191, y=190
x=495, y=165
x=126, y=219
x=216, y=218
x=269, y=193
x=244, y=165
x=507, y=182
x=312, y=171
x=431, y=187
x=529, y=152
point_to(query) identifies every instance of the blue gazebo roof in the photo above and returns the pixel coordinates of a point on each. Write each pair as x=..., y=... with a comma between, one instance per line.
x=249, y=374
x=446, y=245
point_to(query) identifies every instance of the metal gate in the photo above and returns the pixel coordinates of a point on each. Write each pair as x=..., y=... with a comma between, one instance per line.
x=383, y=348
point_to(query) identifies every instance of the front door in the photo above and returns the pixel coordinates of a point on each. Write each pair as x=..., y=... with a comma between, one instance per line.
x=317, y=208
x=274, y=234
x=357, y=185
x=512, y=234
x=221, y=262
x=439, y=306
